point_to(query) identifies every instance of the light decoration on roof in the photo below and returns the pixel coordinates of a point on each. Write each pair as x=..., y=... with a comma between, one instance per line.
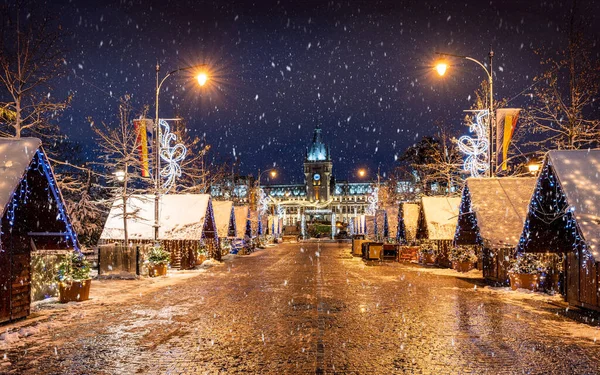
x=550, y=207
x=476, y=148
x=171, y=155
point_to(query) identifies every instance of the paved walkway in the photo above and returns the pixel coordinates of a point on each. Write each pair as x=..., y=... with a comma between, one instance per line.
x=309, y=308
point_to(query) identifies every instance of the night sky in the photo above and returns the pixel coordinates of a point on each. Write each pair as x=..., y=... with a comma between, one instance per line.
x=362, y=69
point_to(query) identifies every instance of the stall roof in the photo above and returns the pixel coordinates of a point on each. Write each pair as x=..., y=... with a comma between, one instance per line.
x=241, y=219
x=441, y=216
x=15, y=157
x=410, y=215
x=500, y=205
x=222, y=212
x=182, y=217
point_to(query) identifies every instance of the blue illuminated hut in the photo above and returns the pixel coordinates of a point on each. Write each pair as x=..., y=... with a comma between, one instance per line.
x=34, y=221
x=492, y=214
x=564, y=218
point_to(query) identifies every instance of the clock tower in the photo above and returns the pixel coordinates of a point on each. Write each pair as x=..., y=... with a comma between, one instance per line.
x=318, y=169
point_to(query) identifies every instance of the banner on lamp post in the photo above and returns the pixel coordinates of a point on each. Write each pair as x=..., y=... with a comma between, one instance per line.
x=143, y=130
x=506, y=123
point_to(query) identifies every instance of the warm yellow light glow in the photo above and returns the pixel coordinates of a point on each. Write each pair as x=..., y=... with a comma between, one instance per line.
x=273, y=174
x=120, y=175
x=441, y=68
x=533, y=167
x=202, y=78
x=362, y=172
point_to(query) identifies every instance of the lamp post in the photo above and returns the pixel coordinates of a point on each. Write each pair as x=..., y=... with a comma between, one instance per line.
x=441, y=68
x=202, y=78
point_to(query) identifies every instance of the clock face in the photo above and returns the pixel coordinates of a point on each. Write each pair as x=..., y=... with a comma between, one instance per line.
x=317, y=177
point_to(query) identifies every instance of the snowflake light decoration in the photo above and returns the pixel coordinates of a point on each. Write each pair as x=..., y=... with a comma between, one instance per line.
x=373, y=200
x=171, y=156
x=476, y=148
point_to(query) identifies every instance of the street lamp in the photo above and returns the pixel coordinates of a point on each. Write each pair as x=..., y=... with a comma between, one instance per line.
x=533, y=168
x=120, y=175
x=362, y=173
x=441, y=68
x=272, y=173
x=202, y=78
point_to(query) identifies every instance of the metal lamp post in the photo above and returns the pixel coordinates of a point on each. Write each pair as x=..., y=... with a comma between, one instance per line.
x=441, y=69
x=202, y=79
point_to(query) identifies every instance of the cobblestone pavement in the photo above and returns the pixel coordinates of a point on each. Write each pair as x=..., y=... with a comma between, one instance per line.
x=310, y=308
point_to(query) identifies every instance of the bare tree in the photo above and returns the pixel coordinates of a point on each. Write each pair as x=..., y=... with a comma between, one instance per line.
x=197, y=174
x=437, y=162
x=566, y=95
x=118, y=147
x=30, y=58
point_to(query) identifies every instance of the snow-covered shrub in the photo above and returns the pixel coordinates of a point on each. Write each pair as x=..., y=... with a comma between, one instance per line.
x=73, y=268
x=527, y=263
x=463, y=254
x=158, y=255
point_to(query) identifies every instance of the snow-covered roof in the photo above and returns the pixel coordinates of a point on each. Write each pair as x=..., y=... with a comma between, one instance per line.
x=241, y=219
x=500, y=206
x=441, y=216
x=410, y=214
x=392, y=218
x=222, y=211
x=15, y=157
x=578, y=172
x=182, y=217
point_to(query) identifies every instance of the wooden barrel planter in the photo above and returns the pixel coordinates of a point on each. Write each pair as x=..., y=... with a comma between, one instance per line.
x=155, y=270
x=524, y=281
x=462, y=266
x=74, y=291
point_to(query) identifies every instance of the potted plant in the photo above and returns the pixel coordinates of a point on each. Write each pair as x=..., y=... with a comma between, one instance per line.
x=74, y=278
x=463, y=258
x=225, y=246
x=201, y=253
x=426, y=254
x=158, y=260
x=524, y=272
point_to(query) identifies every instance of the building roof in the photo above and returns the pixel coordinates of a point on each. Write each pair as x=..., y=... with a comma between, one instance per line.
x=317, y=150
x=500, y=206
x=241, y=219
x=15, y=157
x=222, y=211
x=441, y=216
x=182, y=217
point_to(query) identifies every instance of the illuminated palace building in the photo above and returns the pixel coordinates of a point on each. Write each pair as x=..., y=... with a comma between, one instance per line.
x=321, y=197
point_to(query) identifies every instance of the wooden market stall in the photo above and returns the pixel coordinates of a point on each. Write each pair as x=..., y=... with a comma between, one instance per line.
x=242, y=222
x=492, y=214
x=224, y=219
x=186, y=222
x=408, y=222
x=564, y=217
x=35, y=226
x=437, y=224
x=392, y=221
x=406, y=235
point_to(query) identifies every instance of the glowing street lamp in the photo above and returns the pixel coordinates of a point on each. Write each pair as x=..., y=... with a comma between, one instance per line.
x=441, y=68
x=362, y=173
x=120, y=175
x=202, y=78
x=533, y=168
